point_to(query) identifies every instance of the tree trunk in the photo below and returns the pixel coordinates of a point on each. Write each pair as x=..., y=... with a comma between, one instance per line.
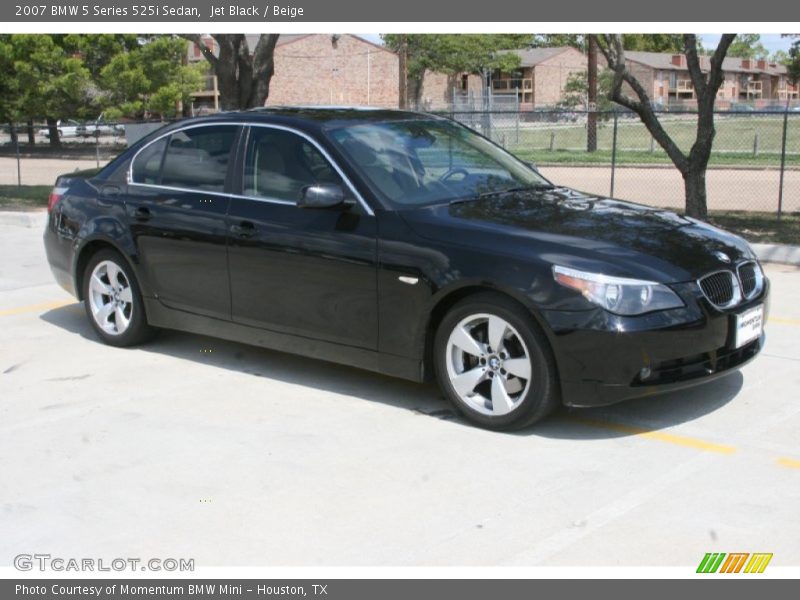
x=243, y=73
x=52, y=128
x=694, y=180
x=31, y=133
x=263, y=68
x=415, y=87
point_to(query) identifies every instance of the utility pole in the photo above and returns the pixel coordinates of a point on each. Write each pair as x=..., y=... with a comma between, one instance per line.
x=591, y=117
x=403, y=64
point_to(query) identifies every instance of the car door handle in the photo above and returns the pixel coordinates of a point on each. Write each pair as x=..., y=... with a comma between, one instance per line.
x=244, y=229
x=142, y=213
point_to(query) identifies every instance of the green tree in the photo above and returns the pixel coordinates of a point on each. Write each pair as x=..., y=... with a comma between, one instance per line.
x=793, y=61
x=49, y=82
x=779, y=57
x=8, y=105
x=557, y=40
x=648, y=42
x=454, y=54
x=150, y=79
x=98, y=49
x=653, y=42
x=748, y=45
x=576, y=91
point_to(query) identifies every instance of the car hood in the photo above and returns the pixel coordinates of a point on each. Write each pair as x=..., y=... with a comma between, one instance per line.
x=562, y=226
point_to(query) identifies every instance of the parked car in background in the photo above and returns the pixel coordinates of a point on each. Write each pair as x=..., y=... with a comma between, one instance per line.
x=556, y=114
x=407, y=244
x=100, y=126
x=66, y=129
x=738, y=107
x=778, y=107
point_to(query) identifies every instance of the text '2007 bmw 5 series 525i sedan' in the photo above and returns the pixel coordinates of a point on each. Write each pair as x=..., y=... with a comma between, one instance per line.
x=406, y=244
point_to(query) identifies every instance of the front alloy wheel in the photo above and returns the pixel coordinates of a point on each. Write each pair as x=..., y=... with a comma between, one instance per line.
x=494, y=363
x=488, y=364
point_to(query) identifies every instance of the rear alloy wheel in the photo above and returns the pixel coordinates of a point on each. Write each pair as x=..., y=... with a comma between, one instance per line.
x=494, y=363
x=113, y=302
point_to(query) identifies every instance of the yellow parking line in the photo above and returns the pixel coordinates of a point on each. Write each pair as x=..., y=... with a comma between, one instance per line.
x=669, y=438
x=784, y=321
x=789, y=462
x=34, y=307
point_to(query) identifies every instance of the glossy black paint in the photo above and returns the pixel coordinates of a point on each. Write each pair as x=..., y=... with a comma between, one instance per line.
x=325, y=282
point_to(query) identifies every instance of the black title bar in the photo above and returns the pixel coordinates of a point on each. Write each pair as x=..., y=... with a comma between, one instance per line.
x=475, y=11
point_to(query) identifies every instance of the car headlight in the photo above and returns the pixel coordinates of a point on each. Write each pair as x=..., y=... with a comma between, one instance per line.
x=618, y=295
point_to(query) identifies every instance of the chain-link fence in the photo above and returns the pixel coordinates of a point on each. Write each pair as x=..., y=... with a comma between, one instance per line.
x=755, y=163
x=28, y=156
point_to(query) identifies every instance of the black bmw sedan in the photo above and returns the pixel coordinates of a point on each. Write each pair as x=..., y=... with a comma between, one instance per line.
x=406, y=244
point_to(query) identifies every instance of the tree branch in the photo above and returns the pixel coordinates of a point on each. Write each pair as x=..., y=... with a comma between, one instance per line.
x=693, y=64
x=716, y=76
x=614, y=53
x=197, y=39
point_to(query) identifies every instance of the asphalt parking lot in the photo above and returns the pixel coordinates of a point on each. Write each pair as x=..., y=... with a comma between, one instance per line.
x=233, y=455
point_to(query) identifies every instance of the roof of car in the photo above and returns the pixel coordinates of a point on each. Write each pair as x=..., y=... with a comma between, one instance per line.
x=319, y=115
x=310, y=119
x=316, y=116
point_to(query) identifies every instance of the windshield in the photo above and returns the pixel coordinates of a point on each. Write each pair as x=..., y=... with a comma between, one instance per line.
x=424, y=162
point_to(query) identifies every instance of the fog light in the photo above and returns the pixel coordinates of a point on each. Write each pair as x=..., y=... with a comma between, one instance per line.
x=644, y=373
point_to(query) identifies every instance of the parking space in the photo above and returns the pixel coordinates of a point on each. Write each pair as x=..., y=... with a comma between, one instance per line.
x=233, y=455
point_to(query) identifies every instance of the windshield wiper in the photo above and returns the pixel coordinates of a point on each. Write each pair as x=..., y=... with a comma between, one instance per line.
x=511, y=190
x=521, y=188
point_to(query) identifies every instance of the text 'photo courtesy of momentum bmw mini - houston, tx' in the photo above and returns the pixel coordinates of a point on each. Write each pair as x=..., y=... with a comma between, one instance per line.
x=406, y=244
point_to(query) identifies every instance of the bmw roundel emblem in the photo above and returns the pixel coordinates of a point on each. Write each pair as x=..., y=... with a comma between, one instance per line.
x=722, y=256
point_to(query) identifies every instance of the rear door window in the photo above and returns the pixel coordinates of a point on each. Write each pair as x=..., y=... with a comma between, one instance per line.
x=197, y=158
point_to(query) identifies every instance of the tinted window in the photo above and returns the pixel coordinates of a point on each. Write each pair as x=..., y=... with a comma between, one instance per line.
x=197, y=158
x=420, y=162
x=279, y=164
x=147, y=166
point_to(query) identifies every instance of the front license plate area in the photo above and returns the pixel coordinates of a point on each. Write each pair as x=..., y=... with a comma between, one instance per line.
x=749, y=325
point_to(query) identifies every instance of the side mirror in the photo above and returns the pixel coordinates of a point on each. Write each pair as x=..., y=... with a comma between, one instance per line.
x=321, y=195
x=533, y=166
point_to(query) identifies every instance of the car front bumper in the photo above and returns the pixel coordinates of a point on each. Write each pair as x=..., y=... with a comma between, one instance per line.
x=603, y=359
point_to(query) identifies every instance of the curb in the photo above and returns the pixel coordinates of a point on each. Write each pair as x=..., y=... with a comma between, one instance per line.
x=777, y=253
x=769, y=253
x=30, y=219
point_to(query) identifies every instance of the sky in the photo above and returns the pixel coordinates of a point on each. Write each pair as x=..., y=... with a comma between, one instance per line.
x=771, y=41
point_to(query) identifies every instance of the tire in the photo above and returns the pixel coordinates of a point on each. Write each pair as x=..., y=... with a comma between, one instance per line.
x=117, y=317
x=60, y=134
x=488, y=385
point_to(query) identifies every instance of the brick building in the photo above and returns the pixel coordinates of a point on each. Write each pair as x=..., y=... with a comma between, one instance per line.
x=539, y=81
x=346, y=69
x=341, y=69
x=666, y=78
